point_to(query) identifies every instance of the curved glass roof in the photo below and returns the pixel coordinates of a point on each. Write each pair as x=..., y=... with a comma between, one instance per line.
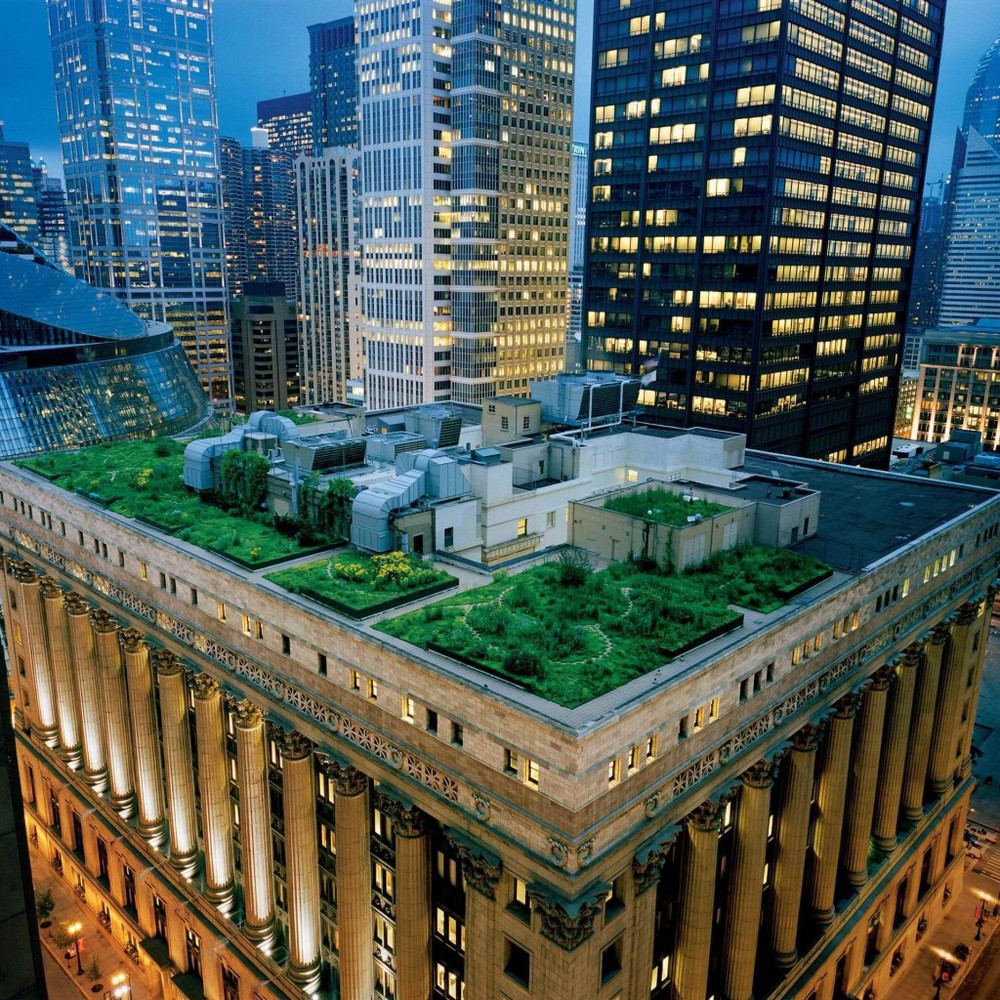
x=53, y=298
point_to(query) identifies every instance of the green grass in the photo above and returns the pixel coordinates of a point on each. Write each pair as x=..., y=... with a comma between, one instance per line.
x=145, y=478
x=663, y=506
x=299, y=419
x=360, y=581
x=572, y=643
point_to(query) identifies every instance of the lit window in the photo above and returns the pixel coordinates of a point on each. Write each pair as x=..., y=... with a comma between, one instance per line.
x=408, y=708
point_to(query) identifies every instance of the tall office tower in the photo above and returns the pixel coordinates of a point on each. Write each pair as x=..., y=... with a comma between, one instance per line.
x=466, y=174
x=17, y=189
x=577, y=241
x=928, y=262
x=135, y=98
x=756, y=179
x=53, y=217
x=982, y=101
x=327, y=192
x=265, y=348
x=234, y=213
x=970, y=280
x=333, y=82
x=288, y=121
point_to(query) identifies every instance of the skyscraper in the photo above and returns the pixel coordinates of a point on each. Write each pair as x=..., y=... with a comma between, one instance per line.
x=577, y=240
x=288, y=121
x=135, y=99
x=333, y=82
x=17, y=189
x=982, y=102
x=53, y=216
x=327, y=191
x=928, y=258
x=756, y=178
x=466, y=119
x=234, y=213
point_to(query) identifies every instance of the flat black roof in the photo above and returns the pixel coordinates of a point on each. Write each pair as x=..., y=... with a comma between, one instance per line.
x=864, y=514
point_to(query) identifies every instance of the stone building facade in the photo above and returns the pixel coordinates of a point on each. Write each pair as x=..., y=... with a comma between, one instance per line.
x=261, y=799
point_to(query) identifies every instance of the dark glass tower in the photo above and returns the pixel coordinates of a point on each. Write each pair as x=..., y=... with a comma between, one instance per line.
x=333, y=81
x=982, y=101
x=755, y=185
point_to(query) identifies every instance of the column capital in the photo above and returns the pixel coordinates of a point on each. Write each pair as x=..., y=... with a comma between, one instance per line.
x=75, y=604
x=882, y=679
x=967, y=613
x=913, y=655
x=480, y=867
x=704, y=818
x=647, y=865
x=131, y=639
x=49, y=587
x=347, y=780
x=758, y=775
x=940, y=633
x=847, y=707
x=103, y=621
x=205, y=687
x=22, y=571
x=166, y=663
x=295, y=746
x=248, y=715
x=806, y=739
x=567, y=924
x=408, y=820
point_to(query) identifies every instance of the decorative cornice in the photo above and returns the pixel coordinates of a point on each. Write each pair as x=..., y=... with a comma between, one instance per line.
x=205, y=687
x=249, y=715
x=103, y=621
x=480, y=867
x=704, y=818
x=567, y=924
x=806, y=739
x=758, y=775
x=295, y=746
x=131, y=639
x=166, y=663
x=407, y=819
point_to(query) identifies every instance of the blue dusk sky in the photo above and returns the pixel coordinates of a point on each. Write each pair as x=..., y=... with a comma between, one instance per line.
x=262, y=50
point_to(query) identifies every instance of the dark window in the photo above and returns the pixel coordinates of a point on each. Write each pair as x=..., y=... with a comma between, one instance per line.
x=321, y=663
x=449, y=537
x=286, y=645
x=432, y=721
x=160, y=918
x=128, y=877
x=457, y=734
x=192, y=943
x=611, y=960
x=518, y=964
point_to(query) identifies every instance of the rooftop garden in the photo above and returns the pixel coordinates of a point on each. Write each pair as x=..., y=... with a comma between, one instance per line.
x=359, y=585
x=569, y=634
x=662, y=506
x=145, y=480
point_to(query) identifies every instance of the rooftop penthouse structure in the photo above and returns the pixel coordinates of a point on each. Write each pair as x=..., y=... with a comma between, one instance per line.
x=270, y=784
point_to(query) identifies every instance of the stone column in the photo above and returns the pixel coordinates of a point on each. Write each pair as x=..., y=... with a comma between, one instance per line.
x=81, y=641
x=481, y=870
x=954, y=670
x=177, y=758
x=117, y=738
x=746, y=885
x=29, y=603
x=696, y=904
x=897, y=731
x=413, y=900
x=354, y=881
x=831, y=796
x=255, y=823
x=213, y=786
x=57, y=649
x=790, y=853
x=976, y=662
x=145, y=735
x=646, y=870
x=302, y=861
x=921, y=725
x=866, y=754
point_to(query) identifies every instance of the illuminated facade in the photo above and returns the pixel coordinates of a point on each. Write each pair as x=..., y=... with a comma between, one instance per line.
x=288, y=121
x=756, y=176
x=53, y=217
x=259, y=797
x=140, y=145
x=17, y=189
x=465, y=143
x=333, y=84
x=326, y=187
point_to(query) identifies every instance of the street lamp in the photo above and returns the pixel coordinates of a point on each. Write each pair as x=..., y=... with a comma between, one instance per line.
x=74, y=930
x=980, y=919
x=121, y=985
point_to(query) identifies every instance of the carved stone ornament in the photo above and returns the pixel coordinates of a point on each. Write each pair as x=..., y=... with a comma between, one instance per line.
x=558, y=853
x=882, y=679
x=23, y=571
x=585, y=853
x=75, y=604
x=913, y=655
x=652, y=806
x=49, y=587
x=131, y=640
x=940, y=633
x=568, y=925
x=347, y=780
x=408, y=820
x=647, y=865
x=967, y=613
x=205, y=687
x=249, y=715
x=480, y=867
x=295, y=746
x=481, y=807
x=704, y=818
x=758, y=775
x=847, y=707
x=166, y=663
x=806, y=739
x=103, y=621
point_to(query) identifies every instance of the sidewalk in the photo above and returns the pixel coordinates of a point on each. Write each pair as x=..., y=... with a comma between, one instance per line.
x=96, y=941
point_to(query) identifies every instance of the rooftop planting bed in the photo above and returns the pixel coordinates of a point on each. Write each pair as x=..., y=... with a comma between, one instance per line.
x=144, y=480
x=359, y=585
x=663, y=506
x=570, y=635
